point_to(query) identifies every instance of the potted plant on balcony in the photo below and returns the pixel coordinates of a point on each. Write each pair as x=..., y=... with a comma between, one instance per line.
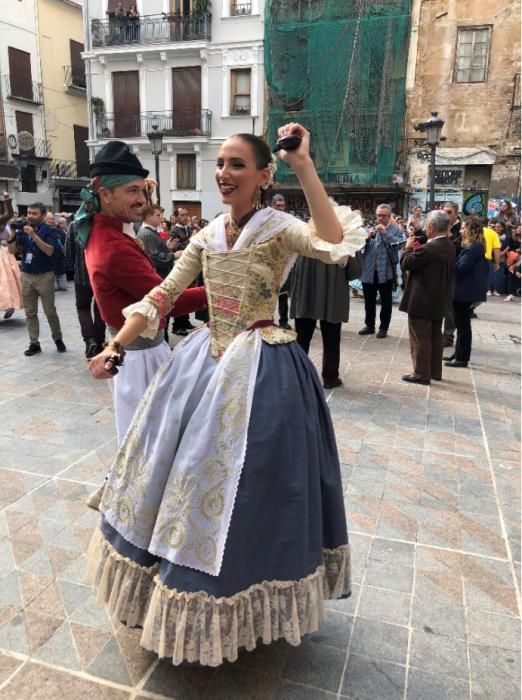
x=98, y=108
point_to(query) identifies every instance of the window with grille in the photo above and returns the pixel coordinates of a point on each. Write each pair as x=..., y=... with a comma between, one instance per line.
x=240, y=91
x=186, y=171
x=471, y=61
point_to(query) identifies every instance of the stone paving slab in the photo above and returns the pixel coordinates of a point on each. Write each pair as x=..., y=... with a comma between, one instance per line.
x=432, y=493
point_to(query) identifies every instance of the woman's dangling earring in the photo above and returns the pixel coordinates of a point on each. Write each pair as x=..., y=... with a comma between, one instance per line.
x=256, y=201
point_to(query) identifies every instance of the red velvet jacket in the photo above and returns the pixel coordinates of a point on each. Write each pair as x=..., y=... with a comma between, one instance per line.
x=121, y=273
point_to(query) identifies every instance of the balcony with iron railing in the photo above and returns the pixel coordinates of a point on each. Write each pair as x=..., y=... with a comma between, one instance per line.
x=27, y=90
x=240, y=8
x=75, y=81
x=29, y=147
x=68, y=170
x=177, y=124
x=151, y=29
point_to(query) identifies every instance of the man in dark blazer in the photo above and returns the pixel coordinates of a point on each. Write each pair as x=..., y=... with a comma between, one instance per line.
x=430, y=270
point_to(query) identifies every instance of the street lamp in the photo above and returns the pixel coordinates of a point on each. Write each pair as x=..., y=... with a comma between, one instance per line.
x=432, y=128
x=156, y=144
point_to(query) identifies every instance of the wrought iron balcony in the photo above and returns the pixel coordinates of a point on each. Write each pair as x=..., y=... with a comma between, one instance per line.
x=240, y=8
x=4, y=151
x=29, y=148
x=27, y=90
x=151, y=29
x=194, y=123
x=68, y=170
x=75, y=79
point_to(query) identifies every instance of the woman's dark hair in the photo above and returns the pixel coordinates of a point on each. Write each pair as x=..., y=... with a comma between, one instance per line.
x=261, y=150
x=474, y=231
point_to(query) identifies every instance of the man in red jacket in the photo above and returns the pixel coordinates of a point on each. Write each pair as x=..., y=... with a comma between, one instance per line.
x=120, y=271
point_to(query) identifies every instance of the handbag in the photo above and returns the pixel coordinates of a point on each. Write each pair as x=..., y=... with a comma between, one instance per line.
x=353, y=268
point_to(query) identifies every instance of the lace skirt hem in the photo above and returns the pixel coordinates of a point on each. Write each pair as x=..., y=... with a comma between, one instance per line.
x=199, y=628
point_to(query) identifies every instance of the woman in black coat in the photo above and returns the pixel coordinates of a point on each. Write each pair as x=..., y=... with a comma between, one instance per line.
x=471, y=285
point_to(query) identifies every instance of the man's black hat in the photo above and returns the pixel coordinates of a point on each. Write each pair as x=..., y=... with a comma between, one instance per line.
x=116, y=158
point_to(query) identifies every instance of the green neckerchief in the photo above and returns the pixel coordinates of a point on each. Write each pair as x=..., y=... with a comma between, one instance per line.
x=91, y=203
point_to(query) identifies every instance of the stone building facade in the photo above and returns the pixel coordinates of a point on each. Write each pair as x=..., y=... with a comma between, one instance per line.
x=464, y=63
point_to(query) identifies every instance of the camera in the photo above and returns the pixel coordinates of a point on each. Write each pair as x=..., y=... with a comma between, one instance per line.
x=18, y=225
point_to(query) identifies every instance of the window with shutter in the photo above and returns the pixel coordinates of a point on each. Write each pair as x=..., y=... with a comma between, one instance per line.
x=186, y=171
x=186, y=95
x=240, y=91
x=81, y=134
x=471, y=60
x=20, y=73
x=77, y=65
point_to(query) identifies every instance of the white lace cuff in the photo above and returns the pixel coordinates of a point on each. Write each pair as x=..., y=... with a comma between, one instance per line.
x=354, y=235
x=150, y=312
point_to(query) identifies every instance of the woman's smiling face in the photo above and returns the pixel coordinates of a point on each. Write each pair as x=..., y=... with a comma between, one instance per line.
x=237, y=174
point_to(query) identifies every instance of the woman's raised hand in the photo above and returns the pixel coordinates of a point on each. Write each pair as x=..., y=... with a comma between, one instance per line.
x=301, y=154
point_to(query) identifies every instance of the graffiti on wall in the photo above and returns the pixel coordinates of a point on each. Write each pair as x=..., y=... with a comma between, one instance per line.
x=475, y=203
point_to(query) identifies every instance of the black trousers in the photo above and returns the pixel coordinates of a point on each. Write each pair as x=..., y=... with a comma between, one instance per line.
x=91, y=323
x=180, y=322
x=370, y=302
x=282, y=304
x=331, y=335
x=462, y=311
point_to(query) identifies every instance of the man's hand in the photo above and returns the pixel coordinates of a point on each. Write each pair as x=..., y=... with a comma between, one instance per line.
x=29, y=230
x=410, y=243
x=178, y=254
x=97, y=364
x=380, y=228
x=6, y=196
x=173, y=243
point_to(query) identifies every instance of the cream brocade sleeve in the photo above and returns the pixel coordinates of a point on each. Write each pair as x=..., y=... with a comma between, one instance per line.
x=160, y=300
x=301, y=238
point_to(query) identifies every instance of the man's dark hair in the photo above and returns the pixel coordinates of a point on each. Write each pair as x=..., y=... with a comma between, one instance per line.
x=40, y=206
x=176, y=210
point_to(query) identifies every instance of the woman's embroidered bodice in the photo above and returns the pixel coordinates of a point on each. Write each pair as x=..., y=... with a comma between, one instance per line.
x=242, y=284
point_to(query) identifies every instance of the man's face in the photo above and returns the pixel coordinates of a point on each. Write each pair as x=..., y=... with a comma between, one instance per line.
x=279, y=204
x=451, y=213
x=124, y=202
x=34, y=217
x=154, y=219
x=183, y=217
x=383, y=216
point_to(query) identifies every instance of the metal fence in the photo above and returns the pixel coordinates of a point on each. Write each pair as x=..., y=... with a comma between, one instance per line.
x=240, y=8
x=151, y=29
x=178, y=124
x=23, y=89
x=75, y=77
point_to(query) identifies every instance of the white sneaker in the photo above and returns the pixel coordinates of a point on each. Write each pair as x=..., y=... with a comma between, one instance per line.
x=509, y=297
x=488, y=293
x=496, y=294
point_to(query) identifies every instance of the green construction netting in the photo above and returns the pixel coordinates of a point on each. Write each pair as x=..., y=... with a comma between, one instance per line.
x=339, y=68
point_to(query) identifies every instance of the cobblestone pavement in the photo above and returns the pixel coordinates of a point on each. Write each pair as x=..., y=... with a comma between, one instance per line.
x=432, y=479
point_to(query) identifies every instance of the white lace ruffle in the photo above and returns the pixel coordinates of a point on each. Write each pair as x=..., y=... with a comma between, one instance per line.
x=354, y=235
x=199, y=628
x=150, y=312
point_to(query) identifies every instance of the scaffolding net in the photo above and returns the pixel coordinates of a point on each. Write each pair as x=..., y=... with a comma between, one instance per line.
x=339, y=68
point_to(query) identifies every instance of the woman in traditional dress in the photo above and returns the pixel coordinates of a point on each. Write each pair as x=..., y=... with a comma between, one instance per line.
x=223, y=522
x=10, y=288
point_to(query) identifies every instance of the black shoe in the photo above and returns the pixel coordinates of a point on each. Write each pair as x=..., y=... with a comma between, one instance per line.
x=8, y=314
x=180, y=331
x=332, y=384
x=189, y=326
x=412, y=379
x=449, y=358
x=382, y=333
x=91, y=348
x=60, y=345
x=367, y=331
x=455, y=363
x=286, y=326
x=33, y=349
x=473, y=315
x=447, y=343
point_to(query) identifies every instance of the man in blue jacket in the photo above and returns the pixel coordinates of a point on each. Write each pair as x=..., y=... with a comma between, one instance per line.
x=36, y=242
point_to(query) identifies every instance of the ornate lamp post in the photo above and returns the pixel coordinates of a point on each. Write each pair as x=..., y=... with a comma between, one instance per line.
x=432, y=127
x=156, y=144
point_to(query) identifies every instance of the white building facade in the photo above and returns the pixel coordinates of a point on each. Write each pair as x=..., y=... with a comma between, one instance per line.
x=24, y=151
x=193, y=74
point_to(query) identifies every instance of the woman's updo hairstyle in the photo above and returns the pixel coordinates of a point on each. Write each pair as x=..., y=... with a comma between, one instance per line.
x=259, y=146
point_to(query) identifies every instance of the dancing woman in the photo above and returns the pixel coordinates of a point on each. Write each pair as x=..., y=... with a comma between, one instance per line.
x=223, y=521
